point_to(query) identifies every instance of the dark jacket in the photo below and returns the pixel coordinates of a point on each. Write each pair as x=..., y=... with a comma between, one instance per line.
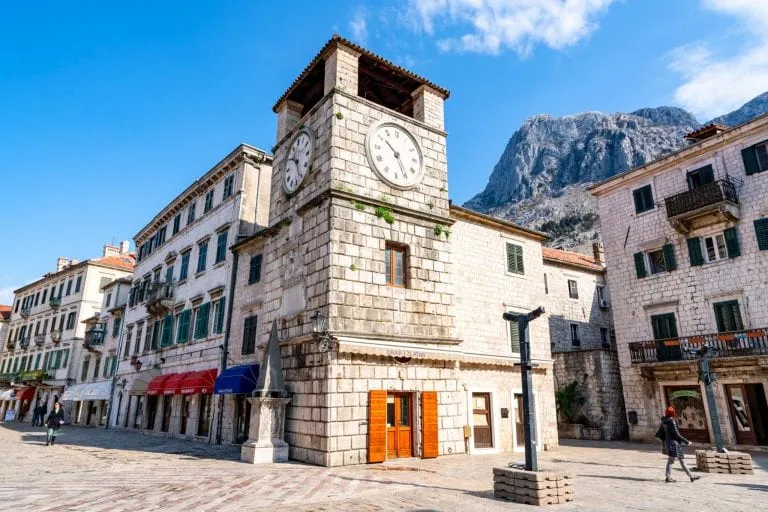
x=55, y=419
x=673, y=438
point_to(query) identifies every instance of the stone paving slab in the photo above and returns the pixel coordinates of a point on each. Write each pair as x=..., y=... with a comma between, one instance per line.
x=103, y=470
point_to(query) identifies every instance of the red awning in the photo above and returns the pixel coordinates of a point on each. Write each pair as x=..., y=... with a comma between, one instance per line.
x=174, y=384
x=27, y=393
x=199, y=382
x=157, y=384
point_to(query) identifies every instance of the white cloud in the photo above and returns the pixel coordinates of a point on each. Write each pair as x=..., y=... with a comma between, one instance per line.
x=499, y=25
x=716, y=84
x=358, y=25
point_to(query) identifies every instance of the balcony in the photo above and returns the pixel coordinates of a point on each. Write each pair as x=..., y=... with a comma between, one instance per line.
x=160, y=298
x=54, y=303
x=25, y=312
x=33, y=376
x=24, y=342
x=9, y=377
x=39, y=340
x=94, y=337
x=753, y=342
x=705, y=205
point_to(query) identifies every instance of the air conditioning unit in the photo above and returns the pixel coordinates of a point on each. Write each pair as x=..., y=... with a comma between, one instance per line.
x=604, y=303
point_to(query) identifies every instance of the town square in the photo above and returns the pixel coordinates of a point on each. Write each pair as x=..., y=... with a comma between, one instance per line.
x=296, y=300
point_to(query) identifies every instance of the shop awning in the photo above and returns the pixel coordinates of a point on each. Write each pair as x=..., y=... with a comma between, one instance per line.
x=27, y=393
x=157, y=385
x=237, y=380
x=174, y=383
x=199, y=382
x=7, y=394
x=97, y=390
x=140, y=383
x=74, y=393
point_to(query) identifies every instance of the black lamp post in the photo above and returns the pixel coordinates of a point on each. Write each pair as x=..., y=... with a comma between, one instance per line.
x=705, y=354
x=526, y=369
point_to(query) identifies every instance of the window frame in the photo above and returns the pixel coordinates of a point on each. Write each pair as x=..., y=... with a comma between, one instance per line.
x=208, y=201
x=390, y=273
x=650, y=262
x=637, y=193
x=573, y=289
x=176, y=224
x=191, y=213
x=202, y=256
x=715, y=247
x=228, y=187
x=254, y=268
x=221, y=247
x=250, y=335
x=519, y=265
x=184, y=267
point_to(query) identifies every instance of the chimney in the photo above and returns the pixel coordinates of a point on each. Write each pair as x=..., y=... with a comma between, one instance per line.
x=598, y=252
x=62, y=263
x=125, y=247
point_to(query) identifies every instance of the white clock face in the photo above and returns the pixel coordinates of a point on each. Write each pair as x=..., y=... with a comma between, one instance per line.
x=299, y=161
x=395, y=155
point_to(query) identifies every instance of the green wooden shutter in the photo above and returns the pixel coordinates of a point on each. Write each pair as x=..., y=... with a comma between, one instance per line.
x=201, y=322
x=167, y=334
x=732, y=242
x=183, y=334
x=514, y=336
x=749, y=155
x=669, y=257
x=694, y=252
x=218, y=326
x=515, y=259
x=761, y=231
x=640, y=265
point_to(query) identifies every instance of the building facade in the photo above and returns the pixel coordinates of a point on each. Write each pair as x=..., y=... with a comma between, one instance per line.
x=415, y=358
x=175, y=318
x=46, y=333
x=687, y=256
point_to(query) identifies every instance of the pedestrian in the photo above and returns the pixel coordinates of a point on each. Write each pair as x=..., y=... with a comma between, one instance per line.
x=54, y=422
x=38, y=416
x=674, y=443
x=35, y=414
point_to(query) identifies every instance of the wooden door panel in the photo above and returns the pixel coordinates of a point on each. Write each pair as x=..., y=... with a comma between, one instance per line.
x=430, y=445
x=481, y=420
x=377, y=426
x=741, y=417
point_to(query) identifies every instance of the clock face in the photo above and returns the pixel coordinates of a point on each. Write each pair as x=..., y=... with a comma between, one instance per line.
x=395, y=155
x=299, y=161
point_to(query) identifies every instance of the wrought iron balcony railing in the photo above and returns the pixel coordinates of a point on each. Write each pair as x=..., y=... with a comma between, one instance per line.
x=752, y=342
x=39, y=340
x=54, y=303
x=34, y=375
x=95, y=335
x=24, y=342
x=710, y=194
x=9, y=377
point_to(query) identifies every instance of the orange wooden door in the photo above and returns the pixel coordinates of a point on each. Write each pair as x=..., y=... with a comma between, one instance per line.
x=377, y=426
x=429, y=428
x=399, y=425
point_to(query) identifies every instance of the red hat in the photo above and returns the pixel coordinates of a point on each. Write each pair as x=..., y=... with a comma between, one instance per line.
x=670, y=412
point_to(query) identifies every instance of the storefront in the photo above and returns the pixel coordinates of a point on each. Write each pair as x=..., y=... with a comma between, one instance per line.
x=24, y=398
x=181, y=403
x=130, y=411
x=234, y=386
x=7, y=403
x=88, y=403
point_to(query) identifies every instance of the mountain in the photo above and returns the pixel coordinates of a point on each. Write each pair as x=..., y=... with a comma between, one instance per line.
x=541, y=178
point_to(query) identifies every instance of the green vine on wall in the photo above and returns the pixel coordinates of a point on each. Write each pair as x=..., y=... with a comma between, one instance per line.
x=385, y=213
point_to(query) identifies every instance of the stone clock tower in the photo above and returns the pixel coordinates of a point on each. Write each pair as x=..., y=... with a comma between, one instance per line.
x=359, y=233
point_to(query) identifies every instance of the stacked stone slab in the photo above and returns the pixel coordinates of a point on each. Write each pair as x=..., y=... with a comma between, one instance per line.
x=533, y=487
x=710, y=461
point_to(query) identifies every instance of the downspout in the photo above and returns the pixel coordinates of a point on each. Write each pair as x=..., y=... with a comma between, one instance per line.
x=225, y=346
x=117, y=363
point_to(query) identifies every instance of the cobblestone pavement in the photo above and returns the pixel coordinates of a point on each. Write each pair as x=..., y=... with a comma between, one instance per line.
x=100, y=470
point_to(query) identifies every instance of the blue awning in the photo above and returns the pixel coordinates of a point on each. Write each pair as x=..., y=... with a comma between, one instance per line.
x=237, y=380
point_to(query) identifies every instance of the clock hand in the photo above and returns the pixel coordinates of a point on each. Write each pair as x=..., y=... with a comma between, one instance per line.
x=397, y=154
x=401, y=164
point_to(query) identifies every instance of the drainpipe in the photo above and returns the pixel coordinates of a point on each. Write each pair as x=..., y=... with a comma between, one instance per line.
x=118, y=354
x=225, y=346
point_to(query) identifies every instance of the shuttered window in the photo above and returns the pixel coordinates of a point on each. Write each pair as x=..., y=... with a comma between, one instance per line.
x=201, y=321
x=669, y=257
x=183, y=329
x=249, y=335
x=166, y=337
x=700, y=176
x=761, y=231
x=755, y=158
x=643, y=198
x=640, y=265
x=664, y=326
x=732, y=242
x=694, y=252
x=218, y=319
x=430, y=446
x=515, y=259
x=514, y=336
x=377, y=426
x=221, y=247
x=254, y=270
x=728, y=316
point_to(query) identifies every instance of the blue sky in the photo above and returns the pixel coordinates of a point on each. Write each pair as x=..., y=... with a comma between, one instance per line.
x=109, y=109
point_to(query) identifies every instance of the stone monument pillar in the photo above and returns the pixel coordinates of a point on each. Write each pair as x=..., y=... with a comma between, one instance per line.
x=267, y=428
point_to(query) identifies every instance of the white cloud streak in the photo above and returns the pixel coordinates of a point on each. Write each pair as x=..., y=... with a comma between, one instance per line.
x=716, y=84
x=500, y=25
x=358, y=26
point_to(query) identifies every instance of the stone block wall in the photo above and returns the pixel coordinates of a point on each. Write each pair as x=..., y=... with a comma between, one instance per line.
x=597, y=372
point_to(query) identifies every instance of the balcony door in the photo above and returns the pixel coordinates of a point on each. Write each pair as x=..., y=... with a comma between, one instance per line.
x=728, y=316
x=664, y=328
x=701, y=176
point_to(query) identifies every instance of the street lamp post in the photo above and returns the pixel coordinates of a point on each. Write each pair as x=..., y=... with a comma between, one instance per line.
x=526, y=369
x=705, y=355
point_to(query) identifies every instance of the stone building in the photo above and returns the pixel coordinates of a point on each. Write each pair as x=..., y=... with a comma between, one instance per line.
x=174, y=335
x=583, y=344
x=95, y=367
x=47, y=332
x=415, y=359
x=687, y=256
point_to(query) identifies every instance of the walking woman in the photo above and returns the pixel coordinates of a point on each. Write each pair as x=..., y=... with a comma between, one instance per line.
x=674, y=442
x=54, y=422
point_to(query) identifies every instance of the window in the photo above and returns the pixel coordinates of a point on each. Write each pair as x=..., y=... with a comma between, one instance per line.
x=127, y=348
x=604, y=338
x=643, y=199
x=148, y=336
x=208, y=201
x=249, y=335
x=761, y=232
x=37, y=362
x=184, y=271
x=155, y=335
x=254, y=271
x=45, y=294
x=156, y=274
x=84, y=370
x=45, y=326
x=202, y=256
x=176, y=224
x=201, y=320
x=169, y=274
x=182, y=329
x=160, y=236
x=514, y=336
x=116, y=327
x=191, y=214
x=221, y=247
x=166, y=337
x=229, y=181
x=71, y=321
x=699, y=177
x=69, y=287
x=515, y=259
x=37, y=298
x=664, y=326
x=96, y=366
x=755, y=158
x=218, y=316
x=78, y=283
x=109, y=300
x=575, y=340
x=546, y=284
x=394, y=263
x=16, y=309
x=657, y=262
x=573, y=289
x=137, y=342
x=728, y=316
x=715, y=248
x=600, y=294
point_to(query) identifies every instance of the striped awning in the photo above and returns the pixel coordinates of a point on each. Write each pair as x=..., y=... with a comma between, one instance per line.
x=88, y=391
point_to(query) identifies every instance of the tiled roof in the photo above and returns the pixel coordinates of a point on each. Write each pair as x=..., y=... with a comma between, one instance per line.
x=573, y=259
x=5, y=312
x=335, y=39
x=123, y=261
